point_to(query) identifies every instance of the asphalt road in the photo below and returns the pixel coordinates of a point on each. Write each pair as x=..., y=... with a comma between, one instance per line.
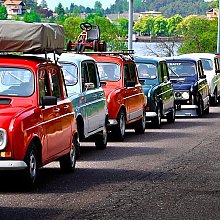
x=169, y=173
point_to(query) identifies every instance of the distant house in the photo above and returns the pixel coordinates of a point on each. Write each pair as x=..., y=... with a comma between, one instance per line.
x=212, y=13
x=150, y=13
x=136, y=16
x=113, y=17
x=14, y=7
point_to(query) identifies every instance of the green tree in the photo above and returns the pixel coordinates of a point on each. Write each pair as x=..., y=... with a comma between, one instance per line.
x=160, y=26
x=3, y=13
x=71, y=27
x=122, y=26
x=172, y=24
x=98, y=8
x=199, y=34
x=31, y=16
x=60, y=10
x=145, y=25
x=43, y=4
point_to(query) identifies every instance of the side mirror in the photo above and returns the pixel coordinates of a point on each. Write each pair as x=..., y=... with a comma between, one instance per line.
x=202, y=77
x=217, y=71
x=89, y=86
x=130, y=83
x=48, y=100
x=165, y=79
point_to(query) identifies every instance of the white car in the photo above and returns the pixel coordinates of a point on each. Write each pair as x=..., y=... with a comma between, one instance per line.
x=211, y=70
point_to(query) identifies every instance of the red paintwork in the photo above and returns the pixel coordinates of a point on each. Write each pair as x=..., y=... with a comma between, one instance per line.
x=117, y=94
x=26, y=121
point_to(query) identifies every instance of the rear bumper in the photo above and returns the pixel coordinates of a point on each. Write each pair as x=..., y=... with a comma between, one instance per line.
x=186, y=110
x=12, y=165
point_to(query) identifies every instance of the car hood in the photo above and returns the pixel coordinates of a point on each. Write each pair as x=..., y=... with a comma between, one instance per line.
x=9, y=113
x=183, y=83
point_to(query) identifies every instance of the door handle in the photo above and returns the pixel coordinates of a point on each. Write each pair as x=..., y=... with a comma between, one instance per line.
x=56, y=110
x=66, y=107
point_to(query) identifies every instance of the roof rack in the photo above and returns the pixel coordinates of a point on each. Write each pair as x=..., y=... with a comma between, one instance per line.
x=123, y=52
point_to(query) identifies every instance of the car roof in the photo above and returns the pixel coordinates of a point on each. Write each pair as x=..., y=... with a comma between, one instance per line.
x=199, y=55
x=73, y=57
x=148, y=59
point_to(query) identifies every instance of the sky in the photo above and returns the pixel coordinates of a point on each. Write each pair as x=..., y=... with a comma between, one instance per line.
x=86, y=3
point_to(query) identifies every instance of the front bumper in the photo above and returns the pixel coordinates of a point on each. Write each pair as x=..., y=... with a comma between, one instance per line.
x=186, y=110
x=12, y=165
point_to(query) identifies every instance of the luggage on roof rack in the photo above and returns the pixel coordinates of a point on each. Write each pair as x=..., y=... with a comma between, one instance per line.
x=19, y=36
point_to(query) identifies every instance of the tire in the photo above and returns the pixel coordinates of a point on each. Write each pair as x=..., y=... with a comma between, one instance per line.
x=200, y=108
x=95, y=45
x=101, y=139
x=68, y=161
x=171, y=116
x=141, y=124
x=69, y=45
x=156, y=122
x=119, y=131
x=102, y=46
x=31, y=172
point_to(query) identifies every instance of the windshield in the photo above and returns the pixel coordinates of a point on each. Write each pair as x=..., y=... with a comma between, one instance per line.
x=70, y=74
x=207, y=64
x=16, y=81
x=147, y=70
x=109, y=71
x=181, y=68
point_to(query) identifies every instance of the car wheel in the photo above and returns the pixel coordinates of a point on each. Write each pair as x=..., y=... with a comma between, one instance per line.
x=101, y=139
x=156, y=121
x=119, y=131
x=141, y=124
x=200, y=108
x=68, y=161
x=95, y=45
x=102, y=46
x=171, y=116
x=31, y=172
x=214, y=99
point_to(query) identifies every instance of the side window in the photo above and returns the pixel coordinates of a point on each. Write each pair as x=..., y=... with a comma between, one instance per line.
x=84, y=74
x=92, y=73
x=165, y=73
x=200, y=69
x=160, y=73
x=44, y=88
x=55, y=83
x=126, y=74
x=133, y=72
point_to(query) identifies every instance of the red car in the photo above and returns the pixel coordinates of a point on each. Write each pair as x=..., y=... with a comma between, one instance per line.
x=125, y=97
x=37, y=123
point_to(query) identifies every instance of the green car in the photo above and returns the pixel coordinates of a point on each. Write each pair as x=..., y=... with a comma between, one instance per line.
x=154, y=77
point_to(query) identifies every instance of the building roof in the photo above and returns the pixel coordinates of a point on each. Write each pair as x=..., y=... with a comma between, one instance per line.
x=13, y=2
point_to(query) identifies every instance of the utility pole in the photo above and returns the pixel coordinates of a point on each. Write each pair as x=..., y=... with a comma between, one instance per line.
x=130, y=24
x=218, y=39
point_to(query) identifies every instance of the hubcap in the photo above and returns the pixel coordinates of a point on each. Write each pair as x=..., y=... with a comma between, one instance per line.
x=122, y=124
x=33, y=166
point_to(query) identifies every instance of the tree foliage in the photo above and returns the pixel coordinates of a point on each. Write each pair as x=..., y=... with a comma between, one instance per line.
x=32, y=16
x=199, y=34
x=3, y=13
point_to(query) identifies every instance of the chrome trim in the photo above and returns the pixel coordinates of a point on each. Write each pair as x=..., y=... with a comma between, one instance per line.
x=12, y=165
x=151, y=114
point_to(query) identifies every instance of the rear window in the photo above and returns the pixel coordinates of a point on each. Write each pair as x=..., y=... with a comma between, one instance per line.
x=109, y=71
x=16, y=81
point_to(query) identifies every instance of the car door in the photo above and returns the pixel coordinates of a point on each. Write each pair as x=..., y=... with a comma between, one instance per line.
x=217, y=72
x=133, y=94
x=203, y=88
x=56, y=119
x=94, y=95
x=167, y=92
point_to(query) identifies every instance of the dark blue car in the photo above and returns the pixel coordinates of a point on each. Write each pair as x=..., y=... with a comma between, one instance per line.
x=154, y=77
x=190, y=85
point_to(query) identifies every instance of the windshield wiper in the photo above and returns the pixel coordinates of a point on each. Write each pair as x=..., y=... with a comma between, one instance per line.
x=173, y=72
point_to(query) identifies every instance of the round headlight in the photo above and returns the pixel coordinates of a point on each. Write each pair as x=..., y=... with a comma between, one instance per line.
x=3, y=138
x=185, y=95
